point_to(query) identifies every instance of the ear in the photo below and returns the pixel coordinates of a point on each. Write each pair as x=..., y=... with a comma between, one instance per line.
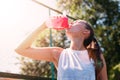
x=86, y=32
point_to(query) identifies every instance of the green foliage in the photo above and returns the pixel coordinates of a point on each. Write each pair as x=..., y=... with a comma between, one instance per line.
x=34, y=67
x=58, y=39
x=116, y=74
x=104, y=15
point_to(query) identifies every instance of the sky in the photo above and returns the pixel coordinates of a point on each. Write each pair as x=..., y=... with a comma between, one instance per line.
x=17, y=19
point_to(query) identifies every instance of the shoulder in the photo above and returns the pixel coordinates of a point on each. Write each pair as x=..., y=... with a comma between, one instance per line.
x=56, y=50
x=102, y=57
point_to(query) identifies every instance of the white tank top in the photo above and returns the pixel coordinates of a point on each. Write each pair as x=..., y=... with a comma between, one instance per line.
x=75, y=65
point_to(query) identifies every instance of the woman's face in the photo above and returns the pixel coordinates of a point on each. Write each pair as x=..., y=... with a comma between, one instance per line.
x=77, y=29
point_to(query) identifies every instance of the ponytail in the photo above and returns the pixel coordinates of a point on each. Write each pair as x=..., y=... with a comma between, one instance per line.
x=97, y=51
x=94, y=53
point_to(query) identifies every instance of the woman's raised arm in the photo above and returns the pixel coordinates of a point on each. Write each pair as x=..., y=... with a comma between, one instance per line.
x=42, y=53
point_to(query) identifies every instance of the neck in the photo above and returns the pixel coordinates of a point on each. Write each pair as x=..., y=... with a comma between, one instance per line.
x=77, y=44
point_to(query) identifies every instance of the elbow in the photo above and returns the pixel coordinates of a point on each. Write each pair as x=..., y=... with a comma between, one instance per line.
x=19, y=51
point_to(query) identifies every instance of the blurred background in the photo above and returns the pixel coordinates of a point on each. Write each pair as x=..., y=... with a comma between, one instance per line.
x=19, y=17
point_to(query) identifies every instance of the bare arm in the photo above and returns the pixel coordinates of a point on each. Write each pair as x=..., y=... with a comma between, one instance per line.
x=103, y=73
x=42, y=53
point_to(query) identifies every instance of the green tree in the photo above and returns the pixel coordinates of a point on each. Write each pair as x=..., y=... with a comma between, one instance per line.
x=104, y=15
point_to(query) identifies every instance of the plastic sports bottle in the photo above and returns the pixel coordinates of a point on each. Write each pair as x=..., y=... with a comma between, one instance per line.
x=57, y=22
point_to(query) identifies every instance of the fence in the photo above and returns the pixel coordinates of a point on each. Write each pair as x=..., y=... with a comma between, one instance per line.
x=19, y=76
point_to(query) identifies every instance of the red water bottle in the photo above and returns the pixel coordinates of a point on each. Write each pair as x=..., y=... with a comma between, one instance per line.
x=58, y=22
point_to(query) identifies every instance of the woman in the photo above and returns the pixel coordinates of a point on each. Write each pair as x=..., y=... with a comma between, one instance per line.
x=83, y=60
